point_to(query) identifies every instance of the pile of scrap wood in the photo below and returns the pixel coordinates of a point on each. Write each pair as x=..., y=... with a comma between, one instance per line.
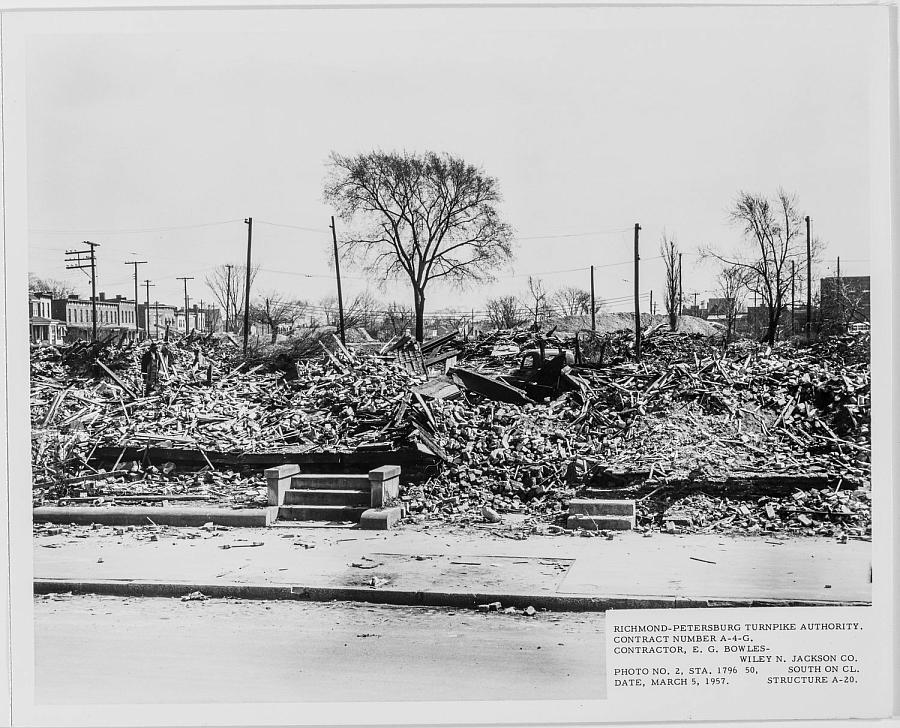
x=690, y=410
x=336, y=402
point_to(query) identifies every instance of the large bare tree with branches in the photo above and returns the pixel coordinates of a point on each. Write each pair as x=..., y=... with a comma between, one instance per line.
x=668, y=249
x=773, y=232
x=423, y=217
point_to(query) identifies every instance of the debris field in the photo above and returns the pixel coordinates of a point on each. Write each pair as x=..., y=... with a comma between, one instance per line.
x=744, y=439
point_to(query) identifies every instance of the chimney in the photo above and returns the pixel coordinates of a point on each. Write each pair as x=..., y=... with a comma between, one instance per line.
x=102, y=296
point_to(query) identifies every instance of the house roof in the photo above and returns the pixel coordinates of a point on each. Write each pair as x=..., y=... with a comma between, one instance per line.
x=41, y=321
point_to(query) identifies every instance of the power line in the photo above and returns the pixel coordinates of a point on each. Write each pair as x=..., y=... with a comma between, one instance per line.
x=126, y=231
x=293, y=227
x=572, y=235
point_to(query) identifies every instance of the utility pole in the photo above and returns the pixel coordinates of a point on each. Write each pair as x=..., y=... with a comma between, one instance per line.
x=695, y=301
x=593, y=303
x=808, y=281
x=337, y=271
x=155, y=317
x=136, y=263
x=840, y=292
x=249, y=222
x=228, y=298
x=187, y=325
x=637, y=298
x=80, y=263
x=793, y=278
x=147, y=284
x=680, y=289
x=651, y=301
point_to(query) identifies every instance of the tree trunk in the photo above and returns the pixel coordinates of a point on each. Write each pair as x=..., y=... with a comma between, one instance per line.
x=419, y=303
x=673, y=320
x=772, y=328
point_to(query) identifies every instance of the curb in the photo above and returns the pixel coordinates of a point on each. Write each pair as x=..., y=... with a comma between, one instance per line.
x=143, y=516
x=461, y=600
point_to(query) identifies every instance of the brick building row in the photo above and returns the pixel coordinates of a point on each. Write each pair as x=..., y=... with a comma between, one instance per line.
x=58, y=320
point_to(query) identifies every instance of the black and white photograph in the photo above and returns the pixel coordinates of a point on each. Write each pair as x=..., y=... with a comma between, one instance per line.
x=382, y=355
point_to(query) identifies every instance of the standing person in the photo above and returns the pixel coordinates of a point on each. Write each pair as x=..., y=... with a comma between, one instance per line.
x=150, y=368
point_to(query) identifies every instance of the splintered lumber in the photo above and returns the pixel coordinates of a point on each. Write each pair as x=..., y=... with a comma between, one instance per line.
x=441, y=387
x=490, y=387
x=686, y=422
x=334, y=360
x=116, y=379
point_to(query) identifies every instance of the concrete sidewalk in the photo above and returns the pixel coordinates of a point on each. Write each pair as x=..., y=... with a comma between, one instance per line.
x=456, y=567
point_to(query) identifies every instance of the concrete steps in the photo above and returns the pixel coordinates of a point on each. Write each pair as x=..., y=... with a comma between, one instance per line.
x=321, y=513
x=326, y=497
x=369, y=499
x=596, y=514
x=337, y=481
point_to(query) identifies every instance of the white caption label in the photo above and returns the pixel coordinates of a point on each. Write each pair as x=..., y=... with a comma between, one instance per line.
x=817, y=659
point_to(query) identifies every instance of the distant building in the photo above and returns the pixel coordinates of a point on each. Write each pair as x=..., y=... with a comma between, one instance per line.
x=196, y=319
x=156, y=317
x=43, y=328
x=115, y=317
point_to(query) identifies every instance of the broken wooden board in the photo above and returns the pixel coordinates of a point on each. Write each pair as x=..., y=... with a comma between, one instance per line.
x=490, y=387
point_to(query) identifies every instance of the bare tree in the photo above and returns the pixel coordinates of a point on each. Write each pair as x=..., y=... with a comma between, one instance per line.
x=842, y=303
x=363, y=311
x=425, y=217
x=668, y=249
x=398, y=318
x=274, y=310
x=773, y=231
x=228, y=289
x=732, y=284
x=57, y=289
x=504, y=312
x=572, y=301
x=538, y=298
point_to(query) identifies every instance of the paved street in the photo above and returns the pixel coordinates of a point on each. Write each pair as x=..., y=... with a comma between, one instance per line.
x=99, y=649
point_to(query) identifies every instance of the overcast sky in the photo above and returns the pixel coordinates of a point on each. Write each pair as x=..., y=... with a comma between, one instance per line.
x=592, y=119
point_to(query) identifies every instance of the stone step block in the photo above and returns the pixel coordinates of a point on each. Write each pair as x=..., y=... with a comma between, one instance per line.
x=592, y=507
x=324, y=497
x=331, y=481
x=600, y=523
x=321, y=513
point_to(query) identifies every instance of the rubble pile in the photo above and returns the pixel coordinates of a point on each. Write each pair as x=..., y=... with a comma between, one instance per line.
x=831, y=512
x=687, y=411
x=690, y=412
x=503, y=456
x=331, y=404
